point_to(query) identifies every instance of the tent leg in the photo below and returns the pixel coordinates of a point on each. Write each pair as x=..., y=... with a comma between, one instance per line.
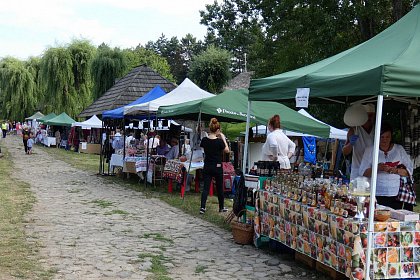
x=245, y=157
x=373, y=183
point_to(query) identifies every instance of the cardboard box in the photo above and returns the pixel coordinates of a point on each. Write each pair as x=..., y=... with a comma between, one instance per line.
x=90, y=148
x=404, y=215
x=130, y=167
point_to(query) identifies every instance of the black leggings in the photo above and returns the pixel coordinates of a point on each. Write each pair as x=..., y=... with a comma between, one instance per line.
x=25, y=144
x=209, y=172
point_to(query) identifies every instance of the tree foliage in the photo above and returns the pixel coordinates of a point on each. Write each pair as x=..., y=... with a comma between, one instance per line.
x=58, y=80
x=178, y=53
x=283, y=35
x=210, y=69
x=17, y=89
x=82, y=53
x=141, y=55
x=108, y=65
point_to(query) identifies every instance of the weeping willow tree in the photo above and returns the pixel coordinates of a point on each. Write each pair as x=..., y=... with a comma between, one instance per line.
x=17, y=89
x=82, y=53
x=58, y=80
x=107, y=65
x=33, y=64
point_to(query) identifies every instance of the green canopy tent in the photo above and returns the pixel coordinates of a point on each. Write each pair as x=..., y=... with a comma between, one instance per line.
x=231, y=106
x=386, y=66
x=47, y=117
x=61, y=120
x=35, y=116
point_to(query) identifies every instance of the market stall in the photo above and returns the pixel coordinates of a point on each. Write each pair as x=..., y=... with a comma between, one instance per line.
x=62, y=121
x=34, y=119
x=323, y=228
x=90, y=144
x=384, y=67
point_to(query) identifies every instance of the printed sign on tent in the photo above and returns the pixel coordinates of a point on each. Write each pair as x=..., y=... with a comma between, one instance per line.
x=302, y=97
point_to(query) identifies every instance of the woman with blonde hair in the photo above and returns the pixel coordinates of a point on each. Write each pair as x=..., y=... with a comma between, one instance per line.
x=214, y=146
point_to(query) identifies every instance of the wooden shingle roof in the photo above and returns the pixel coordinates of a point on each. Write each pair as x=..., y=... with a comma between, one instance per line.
x=135, y=84
x=241, y=81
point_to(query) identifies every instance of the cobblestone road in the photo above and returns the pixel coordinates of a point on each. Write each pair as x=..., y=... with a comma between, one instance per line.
x=90, y=228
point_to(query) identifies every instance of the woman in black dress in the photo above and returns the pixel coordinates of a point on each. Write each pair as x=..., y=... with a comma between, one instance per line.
x=214, y=145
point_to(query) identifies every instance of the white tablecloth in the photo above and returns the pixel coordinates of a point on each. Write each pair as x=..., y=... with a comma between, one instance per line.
x=48, y=141
x=116, y=160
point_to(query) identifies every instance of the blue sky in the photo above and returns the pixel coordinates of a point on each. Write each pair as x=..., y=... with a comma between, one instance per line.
x=28, y=27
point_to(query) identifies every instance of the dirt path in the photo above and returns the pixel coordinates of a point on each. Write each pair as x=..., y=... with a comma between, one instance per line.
x=90, y=228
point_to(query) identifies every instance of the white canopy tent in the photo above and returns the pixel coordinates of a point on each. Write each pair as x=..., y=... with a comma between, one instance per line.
x=186, y=91
x=335, y=133
x=93, y=122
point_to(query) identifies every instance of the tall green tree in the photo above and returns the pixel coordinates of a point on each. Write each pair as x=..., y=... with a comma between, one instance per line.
x=141, y=55
x=107, y=65
x=17, y=89
x=210, y=70
x=178, y=53
x=58, y=80
x=82, y=53
x=283, y=35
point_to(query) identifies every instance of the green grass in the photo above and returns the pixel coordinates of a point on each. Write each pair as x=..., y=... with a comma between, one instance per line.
x=200, y=269
x=18, y=258
x=116, y=212
x=102, y=203
x=88, y=162
x=157, y=237
x=158, y=270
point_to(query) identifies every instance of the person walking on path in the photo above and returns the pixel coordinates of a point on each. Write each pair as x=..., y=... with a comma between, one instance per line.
x=214, y=145
x=25, y=137
x=30, y=144
x=4, y=128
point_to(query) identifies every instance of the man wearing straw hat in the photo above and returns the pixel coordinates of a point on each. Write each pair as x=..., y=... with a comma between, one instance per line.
x=361, y=119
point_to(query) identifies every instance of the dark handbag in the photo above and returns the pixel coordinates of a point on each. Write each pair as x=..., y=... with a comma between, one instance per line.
x=406, y=193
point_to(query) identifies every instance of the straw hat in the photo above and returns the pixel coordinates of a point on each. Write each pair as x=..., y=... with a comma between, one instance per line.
x=355, y=115
x=370, y=108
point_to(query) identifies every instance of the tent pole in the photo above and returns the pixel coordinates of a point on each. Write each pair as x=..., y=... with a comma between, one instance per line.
x=192, y=149
x=101, y=154
x=244, y=159
x=147, y=150
x=373, y=183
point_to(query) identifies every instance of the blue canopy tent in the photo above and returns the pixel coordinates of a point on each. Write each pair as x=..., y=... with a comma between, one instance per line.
x=118, y=113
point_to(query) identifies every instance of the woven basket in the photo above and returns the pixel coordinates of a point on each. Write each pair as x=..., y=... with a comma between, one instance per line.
x=242, y=233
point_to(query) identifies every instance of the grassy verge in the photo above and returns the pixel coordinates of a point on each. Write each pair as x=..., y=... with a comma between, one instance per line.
x=87, y=162
x=18, y=258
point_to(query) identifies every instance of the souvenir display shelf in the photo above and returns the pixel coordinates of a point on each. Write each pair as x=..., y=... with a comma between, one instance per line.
x=324, y=234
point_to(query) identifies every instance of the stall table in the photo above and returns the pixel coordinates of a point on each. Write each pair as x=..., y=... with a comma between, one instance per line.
x=176, y=170
x=339, y=242
x=89, y=148
x=48, y=141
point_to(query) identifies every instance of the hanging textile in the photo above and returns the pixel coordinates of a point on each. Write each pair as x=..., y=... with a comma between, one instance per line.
x=309, y=148
x=412, y=134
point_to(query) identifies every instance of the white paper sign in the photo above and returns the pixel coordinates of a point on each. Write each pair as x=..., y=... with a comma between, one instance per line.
x=302, y=97
x=84, y=145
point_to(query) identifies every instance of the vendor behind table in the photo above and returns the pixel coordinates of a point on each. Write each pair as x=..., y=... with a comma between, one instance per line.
x=361, y=119
x=278, y=147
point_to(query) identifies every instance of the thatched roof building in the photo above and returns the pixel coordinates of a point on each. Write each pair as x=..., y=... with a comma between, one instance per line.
x=135, y=84
x=241, y=81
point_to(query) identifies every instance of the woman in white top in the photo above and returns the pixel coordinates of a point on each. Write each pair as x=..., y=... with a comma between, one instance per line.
x=277, y=147
x=394, y=163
